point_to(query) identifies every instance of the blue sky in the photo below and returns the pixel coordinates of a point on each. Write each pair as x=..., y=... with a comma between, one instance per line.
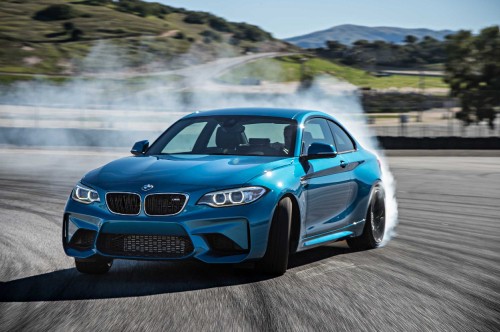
x=288, y=18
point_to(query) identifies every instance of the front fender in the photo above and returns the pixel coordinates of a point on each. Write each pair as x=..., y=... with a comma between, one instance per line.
x=284, y=181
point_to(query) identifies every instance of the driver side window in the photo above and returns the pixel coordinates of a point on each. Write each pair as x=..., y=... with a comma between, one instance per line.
x=316, y=130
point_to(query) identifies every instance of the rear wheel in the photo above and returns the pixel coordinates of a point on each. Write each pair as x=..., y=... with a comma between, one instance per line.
x=93, y=266
x=275, y=261
x=373, y=232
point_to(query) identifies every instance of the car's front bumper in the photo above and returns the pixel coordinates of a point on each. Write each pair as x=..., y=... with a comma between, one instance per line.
x=207, y=229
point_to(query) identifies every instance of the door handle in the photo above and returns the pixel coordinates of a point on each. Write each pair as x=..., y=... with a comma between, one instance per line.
x=343, y=164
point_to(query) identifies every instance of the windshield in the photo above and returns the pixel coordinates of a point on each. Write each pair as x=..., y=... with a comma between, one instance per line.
x=228, y=135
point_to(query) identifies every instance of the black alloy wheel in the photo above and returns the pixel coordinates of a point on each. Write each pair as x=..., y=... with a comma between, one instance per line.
x=374, y=229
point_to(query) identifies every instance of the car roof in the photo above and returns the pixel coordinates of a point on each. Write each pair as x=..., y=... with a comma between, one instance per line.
x=289, y=113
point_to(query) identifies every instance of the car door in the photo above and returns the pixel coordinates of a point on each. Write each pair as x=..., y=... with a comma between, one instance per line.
x=346, y=149
x=327, y=183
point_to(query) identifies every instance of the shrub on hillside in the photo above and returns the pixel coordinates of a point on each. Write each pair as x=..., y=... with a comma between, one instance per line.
x=220, y=24
x=55, y=12
x=76, y=34
x=210, y=36
x=97, y=2
x=196, y=18
x=250, y=32
x=180, y=35
x=144, y=9
x=68, y=26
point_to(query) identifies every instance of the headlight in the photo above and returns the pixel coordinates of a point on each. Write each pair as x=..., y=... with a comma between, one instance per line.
x=84, y=194
x=233, y=197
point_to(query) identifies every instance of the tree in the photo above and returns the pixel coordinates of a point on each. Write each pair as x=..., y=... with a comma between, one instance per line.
x=431, y=50
x=473, y=72
x=361, y=42
x=335, y=46
x=333, y=50
x=410, y=39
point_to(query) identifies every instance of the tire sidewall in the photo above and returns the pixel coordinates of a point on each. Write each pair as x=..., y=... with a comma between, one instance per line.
x=377, y=188
x=275, y=260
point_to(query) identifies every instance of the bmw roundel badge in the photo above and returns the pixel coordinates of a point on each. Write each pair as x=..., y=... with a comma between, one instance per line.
x=147, y=187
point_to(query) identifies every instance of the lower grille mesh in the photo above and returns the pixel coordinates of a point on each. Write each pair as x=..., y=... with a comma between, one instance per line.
x=158, y=246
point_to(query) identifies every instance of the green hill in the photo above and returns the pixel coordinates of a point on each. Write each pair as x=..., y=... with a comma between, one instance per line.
x=56, y=36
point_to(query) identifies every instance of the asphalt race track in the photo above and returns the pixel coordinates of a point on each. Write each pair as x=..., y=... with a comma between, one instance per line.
x=441, y=273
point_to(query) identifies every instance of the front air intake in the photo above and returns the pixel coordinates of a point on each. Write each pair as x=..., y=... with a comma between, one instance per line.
x=223, y=246
x=83, y=239
x=124, y=203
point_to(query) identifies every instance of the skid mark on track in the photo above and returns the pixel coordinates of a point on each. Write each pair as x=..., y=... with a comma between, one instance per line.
x=324, y=268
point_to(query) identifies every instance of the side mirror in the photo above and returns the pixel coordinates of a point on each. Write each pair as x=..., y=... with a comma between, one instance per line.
x=320, y=151
x=140, y=147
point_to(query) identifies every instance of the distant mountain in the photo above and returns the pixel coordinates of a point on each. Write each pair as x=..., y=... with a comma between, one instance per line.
x=349, y=33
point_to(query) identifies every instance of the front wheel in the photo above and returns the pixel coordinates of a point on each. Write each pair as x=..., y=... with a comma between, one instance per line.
x=93, y=266
x=275, y=261
x=373, y=232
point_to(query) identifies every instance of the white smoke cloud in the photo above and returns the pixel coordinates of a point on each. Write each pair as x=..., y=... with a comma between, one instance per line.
x=103, y=99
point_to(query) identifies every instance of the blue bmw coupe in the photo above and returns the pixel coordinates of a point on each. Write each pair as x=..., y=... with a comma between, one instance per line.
x=228, y=186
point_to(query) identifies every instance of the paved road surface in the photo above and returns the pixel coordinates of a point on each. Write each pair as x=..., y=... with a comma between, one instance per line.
x=441, y=273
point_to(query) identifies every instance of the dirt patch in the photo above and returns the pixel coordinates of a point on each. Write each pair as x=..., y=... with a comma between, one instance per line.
x=170, y=33
x=32, y=60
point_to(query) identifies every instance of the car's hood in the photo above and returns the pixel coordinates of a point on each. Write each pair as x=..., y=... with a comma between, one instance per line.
x=181, y=172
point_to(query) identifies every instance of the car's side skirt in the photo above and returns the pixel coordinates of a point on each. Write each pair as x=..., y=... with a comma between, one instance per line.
x=341, y=234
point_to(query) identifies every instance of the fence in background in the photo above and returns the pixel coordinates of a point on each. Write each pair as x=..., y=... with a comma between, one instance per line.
x=430, y=123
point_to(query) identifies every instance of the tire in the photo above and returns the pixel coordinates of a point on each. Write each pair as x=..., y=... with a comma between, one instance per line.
x=275, y=260
x=94, y=266
x=373, y=231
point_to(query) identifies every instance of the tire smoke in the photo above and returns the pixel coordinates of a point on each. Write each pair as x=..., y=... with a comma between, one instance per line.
x=106, y=99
